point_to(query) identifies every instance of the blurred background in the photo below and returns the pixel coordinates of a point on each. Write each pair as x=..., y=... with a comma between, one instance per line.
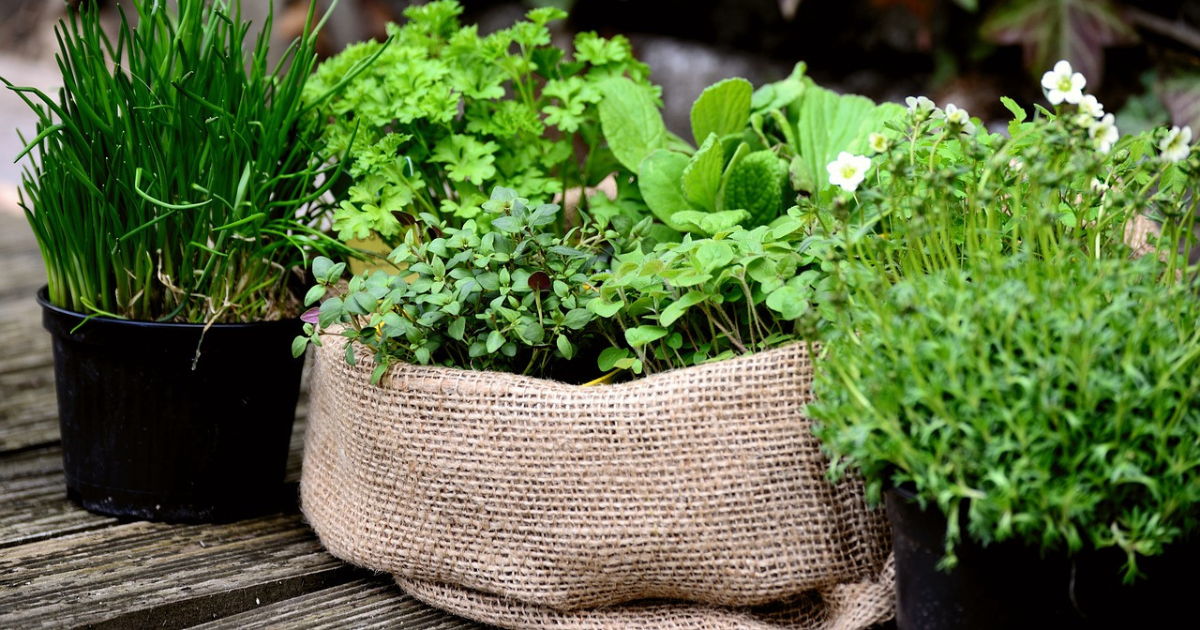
x=1141, y=57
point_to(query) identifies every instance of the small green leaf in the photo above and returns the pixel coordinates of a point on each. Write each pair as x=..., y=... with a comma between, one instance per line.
x=679, y=307
x=709, y=223
x=788, y=302
x=321, y=266
x=457, y=328
x=331, y=312
x=610, y=356
x=1019, y=114
x=377, y=373
x=533, y=333
x=642, y=335
x=604, y=308
x=361, y=303
x=713, y=255
x=508, y=224
x=722, y=108
x=577, y=318
x=565, y=347
x=494, y=341
x=314, y=293
x=299, y=345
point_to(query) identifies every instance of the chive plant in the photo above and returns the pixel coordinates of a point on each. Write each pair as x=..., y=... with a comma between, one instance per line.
x=173, y=178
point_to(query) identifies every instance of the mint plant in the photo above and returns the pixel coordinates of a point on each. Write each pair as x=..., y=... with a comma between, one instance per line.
x=754, y=151
x=442, y=115
x=513, y=298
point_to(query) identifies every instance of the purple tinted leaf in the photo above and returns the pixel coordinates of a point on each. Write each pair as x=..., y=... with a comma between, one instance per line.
x=539, y=281
x=312, y=315
x=1181, y=96
x=1050, y=30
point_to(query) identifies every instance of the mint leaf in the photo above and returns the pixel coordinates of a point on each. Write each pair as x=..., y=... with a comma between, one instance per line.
x=779, y=94
x=630, y=120
x=722, y=108
x=702, y=175
x=660, y=181
x=755, y=184
x=828, y=123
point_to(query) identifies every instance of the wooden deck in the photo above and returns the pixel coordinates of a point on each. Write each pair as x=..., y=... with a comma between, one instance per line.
x=63, y=567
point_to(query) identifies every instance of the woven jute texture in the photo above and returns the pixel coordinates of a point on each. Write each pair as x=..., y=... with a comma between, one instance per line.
x=695, y=498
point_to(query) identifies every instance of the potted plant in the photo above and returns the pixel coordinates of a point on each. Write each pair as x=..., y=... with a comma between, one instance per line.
x=1016, y=379
x=170, y=195
x=466, y=385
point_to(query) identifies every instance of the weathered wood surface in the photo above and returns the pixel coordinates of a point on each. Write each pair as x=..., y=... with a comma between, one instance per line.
x=63, y=567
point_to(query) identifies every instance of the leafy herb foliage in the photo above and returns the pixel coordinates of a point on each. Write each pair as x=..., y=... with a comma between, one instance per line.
x=707, y=299
x=1055, y=398
x=446, y=115
x=1000, y=347
x=171, y=176
x=513, y=299
x=755, y=150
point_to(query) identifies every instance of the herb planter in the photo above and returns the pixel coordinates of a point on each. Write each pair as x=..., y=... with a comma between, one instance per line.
x=527, y=503
x=152, y=431
x=1008, y=585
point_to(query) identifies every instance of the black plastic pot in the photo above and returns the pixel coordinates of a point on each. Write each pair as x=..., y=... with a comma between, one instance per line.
x=1007, y=585
x=151, y=430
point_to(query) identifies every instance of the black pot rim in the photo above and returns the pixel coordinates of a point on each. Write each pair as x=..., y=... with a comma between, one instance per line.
x=43, y=299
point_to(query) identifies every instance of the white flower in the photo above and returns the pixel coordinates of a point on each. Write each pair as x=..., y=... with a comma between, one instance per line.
x=1104, y=133
x=848, y=171
x=1175, y=146
x=920, y=107
x=1062, y=84
x=1099, y=185
x=956, y=117
x=877, y=142
x=1089, y=106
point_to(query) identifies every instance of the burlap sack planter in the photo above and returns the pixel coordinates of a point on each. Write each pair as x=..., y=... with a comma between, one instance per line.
x=694, y=498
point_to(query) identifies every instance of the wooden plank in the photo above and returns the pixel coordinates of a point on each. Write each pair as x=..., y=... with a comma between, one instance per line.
x=369, y=602
x=34, y=495
x=28, y=419
x=179, y=574
x=20, y=258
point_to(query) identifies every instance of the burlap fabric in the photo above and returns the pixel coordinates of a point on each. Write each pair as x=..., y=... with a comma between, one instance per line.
x=696, y=498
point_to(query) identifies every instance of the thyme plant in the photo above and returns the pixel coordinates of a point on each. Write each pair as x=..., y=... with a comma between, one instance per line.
x=1003, y=348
